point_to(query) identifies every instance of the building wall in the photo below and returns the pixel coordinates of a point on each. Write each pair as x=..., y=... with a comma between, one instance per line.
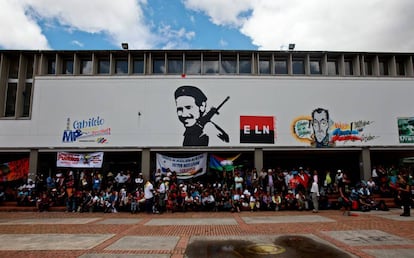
x=141, y=112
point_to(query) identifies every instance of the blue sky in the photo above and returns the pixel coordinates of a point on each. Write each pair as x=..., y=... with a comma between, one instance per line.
x=352, y=25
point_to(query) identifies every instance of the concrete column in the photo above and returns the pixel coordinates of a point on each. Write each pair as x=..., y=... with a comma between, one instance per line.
x=258, y=159
x=365, y=164
x=33, y=160
x=145, y=163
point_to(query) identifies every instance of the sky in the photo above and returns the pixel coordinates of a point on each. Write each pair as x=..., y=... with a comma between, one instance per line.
x=312, y=25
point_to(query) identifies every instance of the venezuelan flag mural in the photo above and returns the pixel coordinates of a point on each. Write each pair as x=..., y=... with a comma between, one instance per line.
x=14, y=170
x=223, y=164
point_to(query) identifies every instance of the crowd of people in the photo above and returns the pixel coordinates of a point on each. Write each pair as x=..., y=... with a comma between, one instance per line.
x=235, y=191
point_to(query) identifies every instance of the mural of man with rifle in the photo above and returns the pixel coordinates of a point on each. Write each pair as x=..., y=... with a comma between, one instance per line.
x=192, y=111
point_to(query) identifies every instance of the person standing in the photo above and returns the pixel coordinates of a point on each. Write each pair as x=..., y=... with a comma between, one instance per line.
x=149, y=196
x=344, y=187
x=405, y=194
x=315, y=192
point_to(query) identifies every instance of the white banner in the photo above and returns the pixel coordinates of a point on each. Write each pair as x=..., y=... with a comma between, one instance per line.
x=78, y=160
x=185, y=168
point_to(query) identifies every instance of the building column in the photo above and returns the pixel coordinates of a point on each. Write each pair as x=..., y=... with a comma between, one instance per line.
x=258, y=159
x=365, y=164
x=33, y=160
x=145, y=163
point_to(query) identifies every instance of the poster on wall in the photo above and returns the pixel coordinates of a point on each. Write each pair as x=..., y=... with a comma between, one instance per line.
x=185, y=168
x=406, y=129
x=14, y=170
x=79, y=160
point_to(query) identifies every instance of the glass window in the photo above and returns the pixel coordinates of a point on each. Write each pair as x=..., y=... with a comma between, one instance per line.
x=51, y=66
x=383, y=68
x=368, y=67
x=315, y=67
x=348, y=67
x=211, y=64
x=27, y=93
x=245, y=65
x=67, y=66
x=264, y=65
x=175, y=66
x=86, y=66
x=193, y=66
x=228, y=64
x=400, y=66
x=14, y=68
x=138, y=66
x=29, y=67
x=281, y=67
x=121, y=66
x=11, y=100
x=158, y=65
x=103, y=66
x=332, y=67
x=298, y=67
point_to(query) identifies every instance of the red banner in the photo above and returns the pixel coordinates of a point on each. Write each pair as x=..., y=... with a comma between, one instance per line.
x=14, y=170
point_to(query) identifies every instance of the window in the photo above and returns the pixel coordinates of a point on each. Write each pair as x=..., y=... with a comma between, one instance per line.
x=281, y=66
x=175, y=65
x=400, y=66
x=210, y=64
x=193, y=65
x=121, y=66
x=11, y=94
x=245, y=64
x=348, y=67
x=298, y=66
x=332, y=67
x=158, y=65
x=138, y=66
x=67, y=66
x=315, y=67
x=85, y=66
x=264, y=65
x=368, y=67
x=51, y=66
x=103, y=66
x=29, y=67
x=383, y=68
x=27, y=93
x=14, y=68
x=228, y=64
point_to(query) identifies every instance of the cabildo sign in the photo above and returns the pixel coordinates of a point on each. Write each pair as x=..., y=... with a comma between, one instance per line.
x=89, y=130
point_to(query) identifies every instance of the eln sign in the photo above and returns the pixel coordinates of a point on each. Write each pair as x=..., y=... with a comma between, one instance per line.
x=257, y=129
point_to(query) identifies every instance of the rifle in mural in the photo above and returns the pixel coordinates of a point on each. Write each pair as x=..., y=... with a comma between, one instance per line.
x=202, y=121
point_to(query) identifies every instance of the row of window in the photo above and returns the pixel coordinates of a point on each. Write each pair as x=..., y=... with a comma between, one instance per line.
x=223, y=63
x=18, y=68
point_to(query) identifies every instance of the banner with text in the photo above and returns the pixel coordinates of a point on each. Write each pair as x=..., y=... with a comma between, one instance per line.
x=185, y=168
x=79, y=160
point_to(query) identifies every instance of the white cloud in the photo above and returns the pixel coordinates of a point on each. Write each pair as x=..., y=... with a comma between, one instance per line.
x=228, y=12
x=77, y=43
x=352, y=25
x=120, y=21
x=174, y=39
x=223, y=43
x=18, y=31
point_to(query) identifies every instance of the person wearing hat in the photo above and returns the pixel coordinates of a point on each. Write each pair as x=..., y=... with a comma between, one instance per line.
x=192, y=112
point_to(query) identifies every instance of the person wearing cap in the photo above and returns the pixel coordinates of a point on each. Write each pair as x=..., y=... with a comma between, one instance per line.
x=191, y=105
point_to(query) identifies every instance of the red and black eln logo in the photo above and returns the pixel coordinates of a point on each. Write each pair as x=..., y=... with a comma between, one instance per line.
x=257, y=129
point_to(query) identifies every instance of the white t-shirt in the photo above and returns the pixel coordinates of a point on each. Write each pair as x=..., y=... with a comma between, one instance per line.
x=148, y=190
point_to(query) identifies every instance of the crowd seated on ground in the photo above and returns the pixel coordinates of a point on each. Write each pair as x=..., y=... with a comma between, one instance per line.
x=233, y=191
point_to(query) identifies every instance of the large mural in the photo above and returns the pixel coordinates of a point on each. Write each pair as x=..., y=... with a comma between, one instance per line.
x=321, y=131
x=406, y=129
x=192, y=112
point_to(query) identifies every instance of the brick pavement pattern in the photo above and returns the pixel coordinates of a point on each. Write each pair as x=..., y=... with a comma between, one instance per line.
x=55, y=234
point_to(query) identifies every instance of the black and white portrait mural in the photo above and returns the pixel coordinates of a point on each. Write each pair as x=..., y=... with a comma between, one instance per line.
x=197, y=118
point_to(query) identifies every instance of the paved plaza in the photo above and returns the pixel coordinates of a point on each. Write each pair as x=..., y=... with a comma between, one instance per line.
x=206, y=234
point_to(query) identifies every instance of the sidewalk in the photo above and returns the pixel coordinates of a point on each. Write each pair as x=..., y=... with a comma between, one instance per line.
x=218, y=234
